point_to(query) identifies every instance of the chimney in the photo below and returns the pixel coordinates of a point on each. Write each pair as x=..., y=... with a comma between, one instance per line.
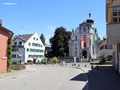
x=0, y=22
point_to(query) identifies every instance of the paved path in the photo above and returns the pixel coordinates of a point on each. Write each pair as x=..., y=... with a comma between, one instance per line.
x=47, y=78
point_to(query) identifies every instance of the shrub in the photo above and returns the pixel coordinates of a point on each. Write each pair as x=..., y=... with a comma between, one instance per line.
x=9, y=54
x=44, y=60
x=103, y=58
x=26, y=63
x=15, y=62
x=54, y=60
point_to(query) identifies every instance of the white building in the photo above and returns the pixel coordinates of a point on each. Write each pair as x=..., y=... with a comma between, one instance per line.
x=104, y=48
x=27, y=47
x=84, y=40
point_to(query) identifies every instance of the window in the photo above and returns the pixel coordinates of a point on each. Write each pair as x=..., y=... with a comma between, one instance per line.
x=84, y=36
x=13, y=56
x=29, y=44
x=27, y=49
x=75, y=37
x=15, y=43
x=116, y=14
x=20, y=43
x=34, y=38
x=15, y=49
x=32, y=44
x=108, y=46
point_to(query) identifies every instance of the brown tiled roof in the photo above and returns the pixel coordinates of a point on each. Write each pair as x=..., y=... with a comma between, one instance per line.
x=10, y=32
x=23, y=37
x=115, y=3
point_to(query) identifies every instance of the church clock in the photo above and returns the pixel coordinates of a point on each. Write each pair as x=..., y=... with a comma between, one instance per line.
x=84, y=29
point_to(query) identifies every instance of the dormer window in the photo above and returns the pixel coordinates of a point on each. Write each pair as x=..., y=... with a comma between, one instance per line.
x=15, y=43
x=20, y=43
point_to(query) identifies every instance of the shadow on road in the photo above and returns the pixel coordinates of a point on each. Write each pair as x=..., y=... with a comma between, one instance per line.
x=106, y=78
x=80, y=77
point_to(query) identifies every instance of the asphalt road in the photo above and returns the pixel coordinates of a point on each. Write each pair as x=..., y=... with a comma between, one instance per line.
x=47, y=78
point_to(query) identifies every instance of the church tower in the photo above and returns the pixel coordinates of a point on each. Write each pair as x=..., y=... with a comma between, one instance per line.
x=83, y=42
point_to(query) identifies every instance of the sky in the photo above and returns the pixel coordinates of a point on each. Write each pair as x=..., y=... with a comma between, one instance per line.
x=44, y=16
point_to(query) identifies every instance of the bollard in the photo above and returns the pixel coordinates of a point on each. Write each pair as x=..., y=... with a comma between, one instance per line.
x=97, y=67
x=85, y=65
x=92, y=67
x=78, y=65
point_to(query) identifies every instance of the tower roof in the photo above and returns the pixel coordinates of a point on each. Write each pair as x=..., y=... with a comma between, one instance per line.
x=90, y=20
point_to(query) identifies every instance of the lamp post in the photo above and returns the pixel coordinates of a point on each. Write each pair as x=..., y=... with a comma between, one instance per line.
x=17, y=37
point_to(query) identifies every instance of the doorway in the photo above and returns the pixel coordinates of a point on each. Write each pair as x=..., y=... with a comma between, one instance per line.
x=84, y=54
x=34, y=60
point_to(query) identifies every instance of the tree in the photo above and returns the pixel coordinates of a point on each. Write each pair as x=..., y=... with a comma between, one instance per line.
x=42, y=38
x=9, y=54
x=59, y=42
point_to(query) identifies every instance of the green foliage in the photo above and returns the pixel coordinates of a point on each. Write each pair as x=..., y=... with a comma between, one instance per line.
x=42, y=38
x=103, y=58
x=54, y=60
x=9, y=70
x=9, y=54
x=15, y=62
x=59, y=42
x=44, y=60
x=26, y=63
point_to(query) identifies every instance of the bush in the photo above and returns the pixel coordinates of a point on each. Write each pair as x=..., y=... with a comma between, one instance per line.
x=103, y=58
x=15, y=62
x=44, y=60
x=9, y=70
x=26, y=63
x=54, y=60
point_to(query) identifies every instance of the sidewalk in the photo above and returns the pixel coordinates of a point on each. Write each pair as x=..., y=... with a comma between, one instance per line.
x=14, y=74
x=106, y=78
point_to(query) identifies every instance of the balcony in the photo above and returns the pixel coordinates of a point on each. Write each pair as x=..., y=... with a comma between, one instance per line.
x=113, y=33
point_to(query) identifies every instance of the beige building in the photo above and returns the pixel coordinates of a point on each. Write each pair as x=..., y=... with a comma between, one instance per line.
x=113, y=29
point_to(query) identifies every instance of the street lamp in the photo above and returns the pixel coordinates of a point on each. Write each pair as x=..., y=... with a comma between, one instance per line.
x=17, y=42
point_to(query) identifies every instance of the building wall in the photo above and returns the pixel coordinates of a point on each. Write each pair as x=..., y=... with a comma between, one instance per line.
x=105, y=51
x=20, y=50
x=115, y=62
x=79, y=32
x=3, y=50
x=31, y=40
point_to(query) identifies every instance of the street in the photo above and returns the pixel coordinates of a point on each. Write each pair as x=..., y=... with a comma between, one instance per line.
x=47, y=78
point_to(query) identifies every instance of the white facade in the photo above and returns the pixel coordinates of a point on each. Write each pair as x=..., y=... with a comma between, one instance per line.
x=105, y=49
x=74, y=42
x=31, y=48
